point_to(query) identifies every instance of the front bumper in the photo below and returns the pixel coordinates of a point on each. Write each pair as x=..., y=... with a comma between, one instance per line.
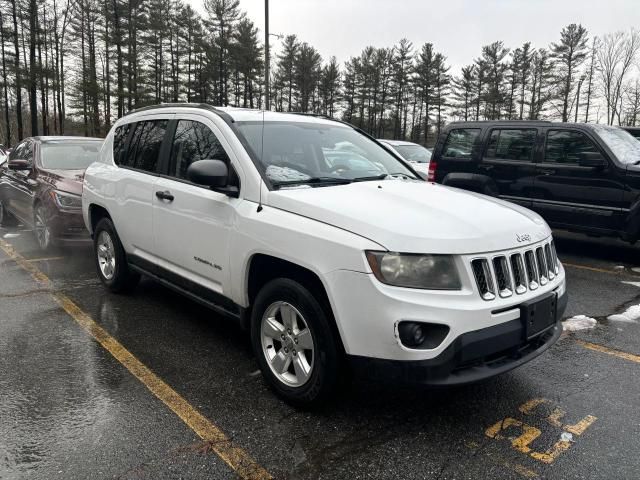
x=471, y=357
x=67, y=226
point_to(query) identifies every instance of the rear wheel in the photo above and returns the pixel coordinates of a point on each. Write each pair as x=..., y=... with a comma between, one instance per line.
x=293, y=342
x=41, y=228
x=111, y=260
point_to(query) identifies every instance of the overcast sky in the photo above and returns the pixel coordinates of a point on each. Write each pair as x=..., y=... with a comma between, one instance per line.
x=457, y=28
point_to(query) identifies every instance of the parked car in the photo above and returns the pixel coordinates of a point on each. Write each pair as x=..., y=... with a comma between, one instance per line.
x=41, y=186
x=634, y=131
x=413, y=153
x=579, y=177
x=326, y=267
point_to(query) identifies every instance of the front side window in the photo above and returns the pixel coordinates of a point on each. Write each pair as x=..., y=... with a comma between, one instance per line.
x=194, y=141
x=69, y=155
x=511, y=144
x=18, y=152
x=317, y=152
x=145, y=145
x=459, y=143
x=567, y=147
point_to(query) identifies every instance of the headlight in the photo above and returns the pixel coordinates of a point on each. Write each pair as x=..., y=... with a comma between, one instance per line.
x=66, y=200
x=432, y=272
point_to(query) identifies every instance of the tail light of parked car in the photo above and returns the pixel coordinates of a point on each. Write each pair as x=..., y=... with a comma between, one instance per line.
x=431, y=176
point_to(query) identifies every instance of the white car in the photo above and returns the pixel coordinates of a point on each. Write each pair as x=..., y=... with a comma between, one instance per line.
x=328, y=264
x=418, y=156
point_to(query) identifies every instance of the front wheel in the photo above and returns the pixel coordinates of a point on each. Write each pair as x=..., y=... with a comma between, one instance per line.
x=293, y=342
x=42, y=228
x=111, y=260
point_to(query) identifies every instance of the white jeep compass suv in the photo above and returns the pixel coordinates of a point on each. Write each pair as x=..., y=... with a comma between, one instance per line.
x=325, y=246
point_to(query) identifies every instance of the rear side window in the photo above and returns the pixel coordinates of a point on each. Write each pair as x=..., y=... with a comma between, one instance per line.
x=120, y=143
x=459, y=143
x=194, y=141
x=146, y=141
x=511, y=144
x=567, y=146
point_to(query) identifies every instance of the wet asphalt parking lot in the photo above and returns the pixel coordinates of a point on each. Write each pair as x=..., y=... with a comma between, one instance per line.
x=153, y=386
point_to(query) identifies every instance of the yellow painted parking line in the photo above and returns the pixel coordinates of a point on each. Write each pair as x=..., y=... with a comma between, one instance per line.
x=610, y=351
x=238, y=459
x=46, y=259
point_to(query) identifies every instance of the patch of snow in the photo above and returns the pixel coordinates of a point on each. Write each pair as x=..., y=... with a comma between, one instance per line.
x=631, y=315
x=636, y=269
x=635, y=284
x=11, y=235
x=566, y=437
x=619, y=267
x=579, y=322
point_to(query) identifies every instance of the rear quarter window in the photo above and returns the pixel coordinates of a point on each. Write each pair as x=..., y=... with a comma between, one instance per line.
x=459, y=142
x=120, y=144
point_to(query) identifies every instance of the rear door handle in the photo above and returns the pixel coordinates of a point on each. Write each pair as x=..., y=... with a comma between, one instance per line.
x=546, y=172
x=166, y=195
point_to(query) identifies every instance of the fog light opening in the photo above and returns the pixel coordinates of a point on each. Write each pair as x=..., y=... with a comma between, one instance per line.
x=420, y=335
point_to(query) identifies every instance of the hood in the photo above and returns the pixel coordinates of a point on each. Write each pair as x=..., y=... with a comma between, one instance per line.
x=64, y=180
x=417, y=217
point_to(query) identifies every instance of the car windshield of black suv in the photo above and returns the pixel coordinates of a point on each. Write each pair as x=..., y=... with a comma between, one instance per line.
x=69, y=156
x=292, y=153
x=414, y=153
x=624, y=146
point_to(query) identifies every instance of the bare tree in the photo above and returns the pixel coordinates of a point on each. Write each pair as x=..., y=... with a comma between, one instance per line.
x=615, y=57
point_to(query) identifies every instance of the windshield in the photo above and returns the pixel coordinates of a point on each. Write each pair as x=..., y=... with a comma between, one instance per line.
x=624, y=146
x=414, y=153
x=69, y=156
x=292, y=152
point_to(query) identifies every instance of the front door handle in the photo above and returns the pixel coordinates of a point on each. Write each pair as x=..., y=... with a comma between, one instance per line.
x=166, y=195
x=546, y=172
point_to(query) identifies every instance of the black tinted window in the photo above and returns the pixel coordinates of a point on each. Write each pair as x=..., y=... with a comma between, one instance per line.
x=194, y=141
x=459, y=142
x=145, y=145
x=120, y=143
x=511, y=144
x=567, y=146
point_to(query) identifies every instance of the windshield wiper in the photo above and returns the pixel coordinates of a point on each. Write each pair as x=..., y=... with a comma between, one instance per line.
x=382, y=177
x=312, y=181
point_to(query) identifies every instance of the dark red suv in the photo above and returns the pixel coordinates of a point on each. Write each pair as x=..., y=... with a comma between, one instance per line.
x=41, y=186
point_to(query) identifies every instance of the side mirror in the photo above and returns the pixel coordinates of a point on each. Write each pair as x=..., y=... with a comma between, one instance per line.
x=592, y=159
x=18, y=164
x=213, y=174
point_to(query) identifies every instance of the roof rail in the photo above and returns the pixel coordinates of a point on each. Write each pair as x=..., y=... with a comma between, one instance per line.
x=224, y=115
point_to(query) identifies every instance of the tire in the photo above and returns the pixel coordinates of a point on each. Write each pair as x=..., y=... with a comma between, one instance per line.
x=111, y=260
x=288, y=375
x=41, y=228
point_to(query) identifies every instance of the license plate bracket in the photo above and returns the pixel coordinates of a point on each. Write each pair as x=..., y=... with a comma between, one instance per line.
x=538, y=315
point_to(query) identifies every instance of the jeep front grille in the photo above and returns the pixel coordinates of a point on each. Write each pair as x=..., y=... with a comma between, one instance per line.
x=505, y=274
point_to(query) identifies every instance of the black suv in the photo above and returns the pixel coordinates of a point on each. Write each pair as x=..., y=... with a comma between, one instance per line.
x=580, y=177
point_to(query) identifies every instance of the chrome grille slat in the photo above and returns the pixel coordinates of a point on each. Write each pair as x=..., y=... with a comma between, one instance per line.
x=550, y=263
x=484, y=278
x=541, y=262
x=503, y=276
x=519, y=275
x=515, y=272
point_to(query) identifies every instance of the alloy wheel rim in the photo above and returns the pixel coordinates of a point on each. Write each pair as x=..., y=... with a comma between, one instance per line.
x=106, y=255
x=287, y=344
x=43, y=234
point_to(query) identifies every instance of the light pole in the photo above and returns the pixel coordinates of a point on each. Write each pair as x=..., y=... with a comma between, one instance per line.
x=266, y=56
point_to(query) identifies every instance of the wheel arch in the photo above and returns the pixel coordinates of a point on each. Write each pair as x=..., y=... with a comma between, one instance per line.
x=262, y=268
x=96, y=213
